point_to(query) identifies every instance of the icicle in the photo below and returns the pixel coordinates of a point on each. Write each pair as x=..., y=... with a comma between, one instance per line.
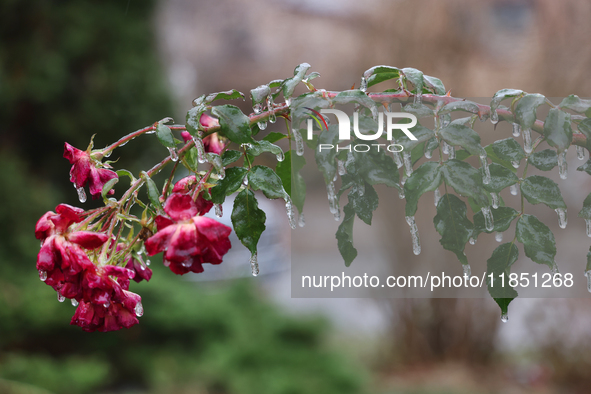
x=60, y=297
x=514, y=189
x=403, y=179
x=484, y=165
x=139, y=309
x=527, y=142
x=504, y=318
x=288, y=101
x=562, y=165
x=216, y=161
x=254, y=264
x=588, y=225
x=515, y=164
x=428, y=154
x=562, y=219
x=272, y=117
x=201, y=158
x=301, y=220
x=467, y=270
x=42, y=275
x=245, y=180
x=299, y=143
x=337, y=214
x=335, y=177
x=363, y=85
x=580, y=153
x=258, y=109
x=444, y=147
x=495, y=200
x=407, y=163
x=516, y=130
x=332, y=204
x=437, y=196
x=418, y=100
x=494, y=116
x=107, y=154
x=280, y=156
x=452, y=152
x=173, y=155
x=414, y=232
x=554, y=269
x=401, y=193
x=219, y=212
x=488, y=218
x=472, y=241
x=81, y=194
x=290, y=211
x=74, y=302
x=588, y=275
x=341, y=167
x=148, y=262
x=499, y=236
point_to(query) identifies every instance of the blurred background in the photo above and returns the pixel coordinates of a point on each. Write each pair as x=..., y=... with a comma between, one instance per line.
x=71, y=69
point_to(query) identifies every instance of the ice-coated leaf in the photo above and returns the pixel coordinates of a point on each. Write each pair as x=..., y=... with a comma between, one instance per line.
x=415, y=77
x=500, y=178
x=425, y=178
x=502, y=95
x=290, y=84
x=231, y=182
x=585, y=212
x=230, y=156
x=325, y=158
x=466, y=106
x=227, y=95
x=293, y=183
x=374, y=167
x=458, y=135
x=557, y=129
x=258, y=147
x=165, y=136
x=525, y=110
x=379, y=74
x=573, y=102
x=364, y=200
x=127, y=173
x=248, y=220
x=453, y=225
x=539, y=189
x=344, y=236
x=260, y=94
x=153, y=192
x=508, y=150
x=266, y=180
x=537, y=239
x=586, y=167
x=419, y=110
x=544, y=160
x=234, y=125
x=192, y=121
x=466, y=180
x=585, y=128
x=274, y=136
x=503, y=257
x=355, y=96
x=420, y=133
x=502, y=218
x=434, y=84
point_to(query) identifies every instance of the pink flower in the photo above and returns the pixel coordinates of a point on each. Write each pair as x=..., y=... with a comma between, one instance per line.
x=188, y=240
x=186, y=185
x=85, y=170
x=111, y=317
x=136, y=264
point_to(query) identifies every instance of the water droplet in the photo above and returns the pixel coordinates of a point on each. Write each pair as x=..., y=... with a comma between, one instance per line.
x=335, y=177
x=341, y=167
x=499, y=236
x=258, y=108
x=187, y=263
x=299, y=143
x=495, y=200
x=262, y=125
x=488, y=218
x=288, y=101
x=403, y=179
x=74, y=302
x=201, y=158
x=527, y=142
x=245, y=180
x=516, y=130
x=107, y=154
x=173, y=155
x=148, y=262
x=81, y=194
x=436, y=197
x=254, y=264
x=580, y=153
x=467, y=270
x=280, y=156
x=428, y=154
x=60, y=297
x=588, y=275
x=301, y=220
x=562, y=165
x=216, y=161
x=407, y=163
x=332, y=198
x=494, y=116
x=290, y=211
x=562, y=218
x=514, y=189
x=363, y=85
x=219, y=212
x=401, y=193
x=107, y=304
x=139, y=309
x=142, y=267
x=166, y=263
x=270, y=107
x=414, y=233
x=484, y=165
x=515, y=164
x=42, y=275
x=472, y=241
x=444, y=147
x=504, y=318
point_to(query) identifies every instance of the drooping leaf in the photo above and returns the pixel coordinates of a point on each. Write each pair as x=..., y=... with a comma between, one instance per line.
x=525, y=110
x=344, y=236
x=458, y=135
x=153, y=193
x=290, y=84
x=108, y=186
x=426, y=178
x=248, y=220
x=544, y=160
x=379, y=74
x=539, y=189
x=258, y=147
x=234, y=125
x=259, y=94
x=364, y=200
x=466, y=180
x=231, y=182
x=265, y=179
x=557, y=129
x=537, y=239
x=165, y=136
x=230, y=156
x=502, y=95
x=415, y=77
x=498, y=266
x=274, y=136
x=453, y=225
x=293, y=183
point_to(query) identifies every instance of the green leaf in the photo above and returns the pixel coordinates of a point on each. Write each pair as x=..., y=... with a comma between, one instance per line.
x=165, y=136
x=426, y=178
x=585, y=128
x=379, y=74
x=230, y=156
x=231, y=182
x=293, y=183
x=585, y=212
x=274, y=136
x=500, y=178
x=234, y=125
x=537, y=239
x=453, y=225
x=585, y=167
x=420, y=110
x=502, y=95
x=421, y=134
x=415, y=77
x=466, y=180
x=325, y=159
x=503, y=257
x=466, y=106
x=364, y=200
x=193, y=118
x=434, y=84
x=355, y=96
x=458, y=135
x=123, y=172
x=502, y=218
x=153, y=193
x=491, y=154
x=227, y=95
x=344, y=236
x=508, y=150
x=108, y=186
x=557, y=129
x=265, y=179
x=258, y=147
x=544, y=160
x=290, y=84
x=539, y=189
x=573, y=102
x=525, y=110
x=373, y=167
x=260, y=94
x=248, y=220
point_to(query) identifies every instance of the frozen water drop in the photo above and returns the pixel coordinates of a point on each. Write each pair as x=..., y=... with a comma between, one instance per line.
x=332, y=198
x=148, y=262
x=301, y=220
x=527, y=142
x=107, y=154
x=139, y=309
x=428, y=154
x=337, y=215
x=444, y=147
x=299, y=143
x=258, y=108
x=472, y=241
x=254, y=264
x=562, y=218
x=401, y=193
x=74, y=302
x=515, y=164
x=562, y=165
x=484, y=165
x=499, y=236
x=588, y=275
x=514, y=189
x=516, y=130
x=554, y=269
x=245, y=180
x=504, y=318
x=107, y=304
x=418, y=99
x=173, y=155
x=280, y=156
x=363, y=85
x=467, y=270
x=216, y=161
x=81, y=194
x=488, y=218
x=580, y=153
x=407, y=163
x=495, y=200
x=60, y=297
x=262, y=125
x=270, y=107
x=288, y=101
x=436, y=197
x=494, y=116
x=187, y=263
x=341, y=167
x=335, y=177
x=42, y=275
x=201, y=158
x=414, y=232
x=451, y=152
x=290, y=212
x=219, y=212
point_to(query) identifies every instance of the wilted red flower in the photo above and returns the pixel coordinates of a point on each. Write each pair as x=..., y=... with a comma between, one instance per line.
x=185, y=185
x=109, y=317
x=211, y=143
x=136, y=264
x=85, y=171
x=189, y=240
